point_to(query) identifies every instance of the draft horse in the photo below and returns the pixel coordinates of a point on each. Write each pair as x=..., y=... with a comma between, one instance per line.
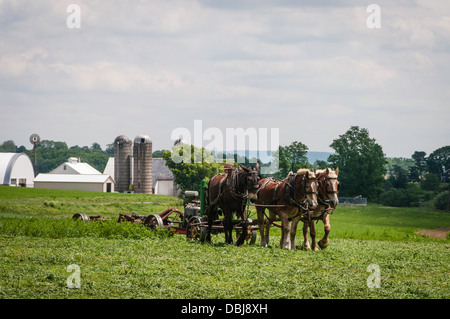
x=328, y=200
x=230, y=192
x=290, y=199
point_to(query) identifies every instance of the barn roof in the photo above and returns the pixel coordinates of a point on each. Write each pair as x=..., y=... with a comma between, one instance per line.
x=160, y=170
x=75, y=167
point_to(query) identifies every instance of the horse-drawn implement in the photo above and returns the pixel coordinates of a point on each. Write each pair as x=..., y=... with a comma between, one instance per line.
x=299, y=197
x=193, y=222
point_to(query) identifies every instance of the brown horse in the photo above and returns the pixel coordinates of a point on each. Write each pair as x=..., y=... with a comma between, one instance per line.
x=290, y=199
x=328, y=200
x=230, y=192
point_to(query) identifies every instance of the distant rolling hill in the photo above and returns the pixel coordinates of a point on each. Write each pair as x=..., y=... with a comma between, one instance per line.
x=321, y=156
x=265, y=156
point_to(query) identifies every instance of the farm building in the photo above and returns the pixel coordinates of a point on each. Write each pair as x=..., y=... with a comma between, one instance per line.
x=81, y=182
x=16, y=169
x=133, y=164
x=163, y=182
x=163, y=179
x=75, y=175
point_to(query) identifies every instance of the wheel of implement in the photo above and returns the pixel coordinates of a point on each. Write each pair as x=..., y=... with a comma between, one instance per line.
x=194, y=229
x=153, y=221
x=80, y=216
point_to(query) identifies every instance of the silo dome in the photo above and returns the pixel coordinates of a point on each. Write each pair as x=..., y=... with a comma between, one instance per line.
x=122, y=139
x=143, y=139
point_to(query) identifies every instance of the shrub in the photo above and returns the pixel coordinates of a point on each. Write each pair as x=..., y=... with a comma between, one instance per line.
x=430, y=182
x=400, y=197
x=440, y=201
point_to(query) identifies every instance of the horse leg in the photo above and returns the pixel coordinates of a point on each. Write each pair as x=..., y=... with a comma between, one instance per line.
x=323, y=243
x=305, y=236
x=285, y=230
x=228, y=227
x=312, y=231
x=268, y=224
x=294, y=225
x=260, y=212
x=243, y=234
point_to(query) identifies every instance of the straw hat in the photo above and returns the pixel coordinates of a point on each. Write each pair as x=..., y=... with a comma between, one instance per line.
x=228, y=167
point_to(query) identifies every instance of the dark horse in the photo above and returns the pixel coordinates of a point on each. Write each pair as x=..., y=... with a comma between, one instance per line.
x=230, y=192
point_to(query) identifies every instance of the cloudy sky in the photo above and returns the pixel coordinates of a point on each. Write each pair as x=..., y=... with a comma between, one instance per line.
x=310, y=68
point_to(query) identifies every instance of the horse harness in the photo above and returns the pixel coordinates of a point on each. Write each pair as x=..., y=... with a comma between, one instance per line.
x=230, y=184
x=290, y=193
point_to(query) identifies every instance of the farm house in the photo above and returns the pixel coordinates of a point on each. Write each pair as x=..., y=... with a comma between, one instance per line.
x=75, y=175
x=16, y=169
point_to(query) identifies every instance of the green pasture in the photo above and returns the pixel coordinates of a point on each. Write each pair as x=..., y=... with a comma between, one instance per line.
x=39, y=240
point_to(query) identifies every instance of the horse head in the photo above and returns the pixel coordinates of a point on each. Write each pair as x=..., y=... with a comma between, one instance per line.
x=309, y=186
x=251, y=180
x=329, y=186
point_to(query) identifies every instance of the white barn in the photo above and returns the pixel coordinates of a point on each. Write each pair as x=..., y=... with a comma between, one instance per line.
x=16, y=169
x=75, y=175
x=81, y=182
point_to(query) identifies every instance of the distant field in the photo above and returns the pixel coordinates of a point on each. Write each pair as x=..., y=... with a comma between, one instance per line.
x=38, y=241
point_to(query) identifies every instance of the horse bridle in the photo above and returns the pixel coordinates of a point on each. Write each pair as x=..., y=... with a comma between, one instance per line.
x=326, y=178
x=305, y=192
x=304, y=185
x=246, y=187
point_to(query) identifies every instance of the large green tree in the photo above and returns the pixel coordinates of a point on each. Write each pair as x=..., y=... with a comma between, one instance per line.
x=291, y=158
x=8, y=146
x=192, y=166
x=439, y=160
x=50, y=154
x=419, y=164
x=361, y=163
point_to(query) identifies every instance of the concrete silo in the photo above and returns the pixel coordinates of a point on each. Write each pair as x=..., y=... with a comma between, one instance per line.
x=122, y=163
x=142, y=154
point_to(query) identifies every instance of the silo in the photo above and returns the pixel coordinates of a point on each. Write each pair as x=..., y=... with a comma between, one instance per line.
x=142, y=154
x=122, y=163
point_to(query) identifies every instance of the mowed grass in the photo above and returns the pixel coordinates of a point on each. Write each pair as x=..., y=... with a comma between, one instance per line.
x=38, y=242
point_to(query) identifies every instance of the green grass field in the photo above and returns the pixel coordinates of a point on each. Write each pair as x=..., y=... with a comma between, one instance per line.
x=39, y=240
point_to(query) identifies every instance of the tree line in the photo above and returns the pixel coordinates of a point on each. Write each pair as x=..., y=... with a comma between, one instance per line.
x=363, y=167
x=50, y=154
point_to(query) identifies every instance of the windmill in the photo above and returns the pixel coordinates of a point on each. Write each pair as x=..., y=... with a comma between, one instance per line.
x=35, y=140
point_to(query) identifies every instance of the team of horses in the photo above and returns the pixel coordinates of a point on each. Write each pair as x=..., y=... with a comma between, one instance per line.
x=305, y=196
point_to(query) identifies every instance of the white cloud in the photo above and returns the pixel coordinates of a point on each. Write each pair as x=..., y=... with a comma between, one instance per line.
x=155, y=65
